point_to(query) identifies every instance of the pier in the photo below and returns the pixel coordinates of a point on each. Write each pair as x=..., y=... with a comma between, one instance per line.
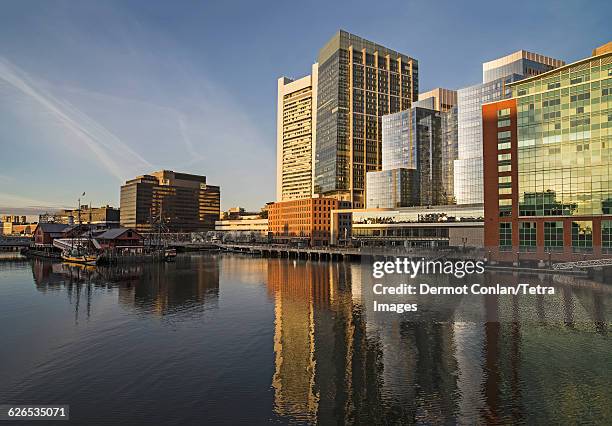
x=348, y=253
x=15, y=244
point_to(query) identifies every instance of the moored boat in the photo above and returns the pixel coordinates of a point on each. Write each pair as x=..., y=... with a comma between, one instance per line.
x=83, y=259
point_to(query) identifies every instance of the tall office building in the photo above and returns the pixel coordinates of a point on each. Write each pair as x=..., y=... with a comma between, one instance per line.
x=181, y=201
x=548, y=165
x=497, y=74
x=411, y=172
x=450, y=146
x=444, y=99
x=296, y=136
x=359, y=82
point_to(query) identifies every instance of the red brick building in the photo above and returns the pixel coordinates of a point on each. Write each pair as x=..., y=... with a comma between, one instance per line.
x=306, y=220
x=45, y=233
x=119, y=238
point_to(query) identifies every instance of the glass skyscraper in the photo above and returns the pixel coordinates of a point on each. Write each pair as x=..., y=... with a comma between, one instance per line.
x=388, y=189
x=449, y=126
x=358, y=82
x=412, y=161
x=497, y=74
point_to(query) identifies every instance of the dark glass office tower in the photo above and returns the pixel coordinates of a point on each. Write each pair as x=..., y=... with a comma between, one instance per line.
x=412, y=161
x=449, y=125
x=359, y=82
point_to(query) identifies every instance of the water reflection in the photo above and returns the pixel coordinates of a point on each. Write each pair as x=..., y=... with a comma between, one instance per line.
x=332, y=360
x=338, y=362
x=161, y=289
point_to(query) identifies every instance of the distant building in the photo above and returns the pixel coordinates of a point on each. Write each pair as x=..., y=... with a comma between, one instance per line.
x=497, y=75
x=22, y=229
x=237, y=213
x=547, y=168
x=304, y=221
x=359, y=82
x=182, y=202
x=244, y=228
x=104, y=215
x=46, y=218
x=295, y=136
x=444, y=99
x=14, y=219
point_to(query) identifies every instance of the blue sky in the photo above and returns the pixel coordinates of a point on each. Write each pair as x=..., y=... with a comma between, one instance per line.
x=96, y=92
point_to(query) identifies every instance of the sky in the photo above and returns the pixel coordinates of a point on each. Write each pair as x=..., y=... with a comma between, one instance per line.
x=93, y=93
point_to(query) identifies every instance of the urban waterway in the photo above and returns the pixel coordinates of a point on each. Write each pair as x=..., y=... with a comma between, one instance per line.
x=231, y=339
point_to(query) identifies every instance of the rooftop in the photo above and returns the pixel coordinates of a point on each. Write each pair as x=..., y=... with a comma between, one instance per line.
x=606, y=52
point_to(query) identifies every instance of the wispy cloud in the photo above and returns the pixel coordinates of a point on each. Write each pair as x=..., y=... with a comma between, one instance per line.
x=102, y=143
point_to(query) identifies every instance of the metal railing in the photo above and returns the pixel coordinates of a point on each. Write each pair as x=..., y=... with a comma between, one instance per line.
x=582, y=264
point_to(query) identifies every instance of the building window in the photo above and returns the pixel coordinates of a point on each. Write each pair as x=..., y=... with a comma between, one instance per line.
x=527, y=236
x=503, y=140
x=582, y=236
x=503, y=159
x=503, y=117
x=553, y=236
x=505, y=236
x=505, y=207
x=504, y=181
x=606, y=236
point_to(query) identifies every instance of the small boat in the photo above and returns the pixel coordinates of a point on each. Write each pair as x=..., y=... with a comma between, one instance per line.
x=76, y=257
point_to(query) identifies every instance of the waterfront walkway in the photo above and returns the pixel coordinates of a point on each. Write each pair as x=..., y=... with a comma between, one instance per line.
x=346, y=253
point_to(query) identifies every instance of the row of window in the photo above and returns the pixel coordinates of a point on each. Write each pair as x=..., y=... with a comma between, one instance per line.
x=581, y=236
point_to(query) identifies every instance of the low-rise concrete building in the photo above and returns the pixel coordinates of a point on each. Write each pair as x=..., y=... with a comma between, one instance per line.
x=250, y=228
x=437, y=226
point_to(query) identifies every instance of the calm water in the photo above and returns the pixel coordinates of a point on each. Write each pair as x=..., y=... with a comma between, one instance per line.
x=222, y=339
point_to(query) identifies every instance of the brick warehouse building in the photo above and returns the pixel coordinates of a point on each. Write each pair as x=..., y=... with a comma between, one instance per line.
x=307, y=220
x=547, y=166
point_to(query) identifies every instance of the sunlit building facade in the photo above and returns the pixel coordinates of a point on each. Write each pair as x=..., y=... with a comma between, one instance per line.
x=359, y=82
x=444, y=99
x=497, y=75
x=178, y=202
x=295, y=136
x=306, y=221
x=548, y=169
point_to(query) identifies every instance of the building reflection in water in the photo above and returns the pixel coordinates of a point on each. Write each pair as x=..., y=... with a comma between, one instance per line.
x=338, y=362
x=190, y=283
